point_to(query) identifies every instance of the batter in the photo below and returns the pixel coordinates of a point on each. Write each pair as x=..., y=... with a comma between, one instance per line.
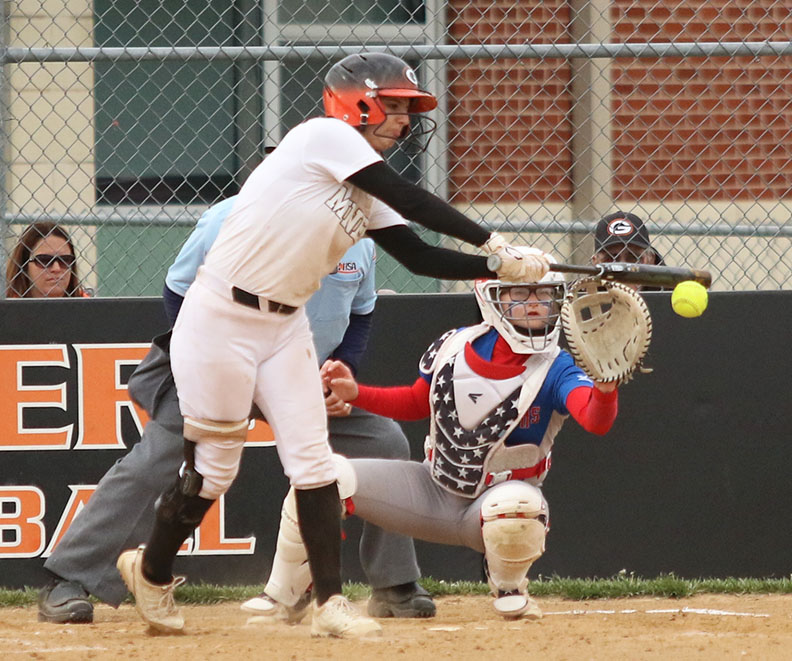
x=242, y=333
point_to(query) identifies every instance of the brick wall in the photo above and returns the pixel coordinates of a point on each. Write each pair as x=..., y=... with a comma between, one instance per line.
x=509, y=132
x=702, y=128
x=689, y=128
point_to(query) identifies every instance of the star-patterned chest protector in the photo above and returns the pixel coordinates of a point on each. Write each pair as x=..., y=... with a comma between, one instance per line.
x=470, y=415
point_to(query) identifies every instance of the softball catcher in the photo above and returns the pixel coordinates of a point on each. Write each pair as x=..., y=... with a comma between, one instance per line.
x=496, y=395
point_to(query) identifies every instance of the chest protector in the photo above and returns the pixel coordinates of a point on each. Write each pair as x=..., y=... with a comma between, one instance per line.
x=472, y=415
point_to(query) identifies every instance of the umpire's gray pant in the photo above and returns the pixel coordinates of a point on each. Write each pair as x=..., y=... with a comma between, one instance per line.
x=120, y=513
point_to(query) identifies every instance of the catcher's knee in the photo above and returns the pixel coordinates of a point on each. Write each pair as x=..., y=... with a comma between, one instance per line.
x=218, y=450
x=514, y=520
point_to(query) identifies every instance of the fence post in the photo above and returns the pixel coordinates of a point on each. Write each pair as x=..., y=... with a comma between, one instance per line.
x=592, y=195
x=5, y=223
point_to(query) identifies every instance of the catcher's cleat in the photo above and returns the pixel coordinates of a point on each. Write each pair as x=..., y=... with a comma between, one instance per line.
x=154, y=603
x=267, y=610
x=340, y=619
x=515, y=605
x=406, y=600
x=64, y=602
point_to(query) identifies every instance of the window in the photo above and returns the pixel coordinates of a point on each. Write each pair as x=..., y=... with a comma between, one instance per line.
x=189, y=132
x=354, y=13
x=168, y=131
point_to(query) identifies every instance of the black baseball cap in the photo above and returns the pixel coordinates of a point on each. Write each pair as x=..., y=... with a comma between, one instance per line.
x=622, y=229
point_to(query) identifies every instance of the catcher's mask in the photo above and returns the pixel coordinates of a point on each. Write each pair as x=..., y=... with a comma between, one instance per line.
x=354, y=85
x=504, y=306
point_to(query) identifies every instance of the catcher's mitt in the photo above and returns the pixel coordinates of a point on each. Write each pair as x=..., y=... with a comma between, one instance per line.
x=608, y=328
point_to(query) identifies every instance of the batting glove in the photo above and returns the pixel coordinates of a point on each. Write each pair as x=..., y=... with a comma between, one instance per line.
x=515, y=264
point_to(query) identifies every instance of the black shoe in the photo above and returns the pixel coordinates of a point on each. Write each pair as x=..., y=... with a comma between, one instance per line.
x=64, y=601
x=406, y=600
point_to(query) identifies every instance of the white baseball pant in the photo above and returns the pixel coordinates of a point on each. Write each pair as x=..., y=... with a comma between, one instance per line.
x=225, y=355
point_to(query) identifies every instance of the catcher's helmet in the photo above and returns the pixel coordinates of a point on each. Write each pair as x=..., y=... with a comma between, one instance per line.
x=353, y=84
x=499, y=313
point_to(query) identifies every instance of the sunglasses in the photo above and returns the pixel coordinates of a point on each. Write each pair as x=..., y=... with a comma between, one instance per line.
x=47, y=261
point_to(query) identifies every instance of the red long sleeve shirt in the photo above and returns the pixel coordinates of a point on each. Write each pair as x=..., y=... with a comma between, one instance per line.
x=593, y=409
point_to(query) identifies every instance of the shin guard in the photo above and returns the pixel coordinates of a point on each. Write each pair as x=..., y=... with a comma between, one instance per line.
x=290, y=577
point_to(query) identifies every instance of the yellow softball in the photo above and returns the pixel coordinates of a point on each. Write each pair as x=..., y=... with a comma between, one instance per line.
x=689, y=299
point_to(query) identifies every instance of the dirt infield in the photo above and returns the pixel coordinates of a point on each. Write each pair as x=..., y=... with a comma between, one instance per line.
x=701, y=627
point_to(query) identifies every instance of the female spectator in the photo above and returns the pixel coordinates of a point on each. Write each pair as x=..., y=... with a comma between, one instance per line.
x=43, y=264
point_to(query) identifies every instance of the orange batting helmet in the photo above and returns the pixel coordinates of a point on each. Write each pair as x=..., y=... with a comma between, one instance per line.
x=353, y=84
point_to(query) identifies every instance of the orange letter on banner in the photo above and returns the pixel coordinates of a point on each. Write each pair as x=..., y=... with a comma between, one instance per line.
x=21, y=530
x=102, y=393
x=80, y=493
x=210, y=536
x=15, y=397
x=259, y=434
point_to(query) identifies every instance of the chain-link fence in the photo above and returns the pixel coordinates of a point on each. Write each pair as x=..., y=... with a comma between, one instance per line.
x=125, y=119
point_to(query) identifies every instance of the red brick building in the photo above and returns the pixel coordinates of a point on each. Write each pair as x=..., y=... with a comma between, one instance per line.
x=698, y=128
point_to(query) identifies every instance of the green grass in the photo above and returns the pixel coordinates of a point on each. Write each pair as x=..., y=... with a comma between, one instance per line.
x=618, y=586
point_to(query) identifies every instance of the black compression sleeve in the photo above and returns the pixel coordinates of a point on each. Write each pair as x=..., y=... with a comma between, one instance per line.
x=404, y=245
x=414, y=203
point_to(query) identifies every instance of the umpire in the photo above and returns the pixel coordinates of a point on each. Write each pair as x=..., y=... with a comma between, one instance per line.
x=119, y=514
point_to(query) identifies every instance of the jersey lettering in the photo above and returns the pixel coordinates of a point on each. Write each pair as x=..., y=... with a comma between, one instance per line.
x=531, y=417
x=352, y=219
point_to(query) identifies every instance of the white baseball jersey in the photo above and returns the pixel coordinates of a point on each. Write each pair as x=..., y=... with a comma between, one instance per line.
x=295, y=217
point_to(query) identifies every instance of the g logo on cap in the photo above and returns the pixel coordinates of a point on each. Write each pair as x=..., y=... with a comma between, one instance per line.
x=620, y=227
x=411, y=76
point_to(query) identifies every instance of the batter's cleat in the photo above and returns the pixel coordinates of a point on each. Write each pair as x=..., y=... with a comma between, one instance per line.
x=267, y=610
x=64, y=602
x=406, y=600
x=515, y=605
x=340, y=619
x=154, y=603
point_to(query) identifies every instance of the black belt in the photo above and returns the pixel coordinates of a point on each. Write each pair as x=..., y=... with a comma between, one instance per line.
x=253, y=301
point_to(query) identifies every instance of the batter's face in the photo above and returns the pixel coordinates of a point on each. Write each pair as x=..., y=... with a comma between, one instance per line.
x=383, y=136
x=528, y=307
x=50, y=267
